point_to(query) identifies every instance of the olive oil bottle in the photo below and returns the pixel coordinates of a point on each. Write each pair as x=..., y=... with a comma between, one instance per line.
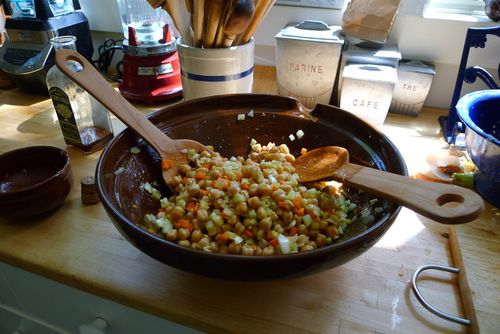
x=85, y=123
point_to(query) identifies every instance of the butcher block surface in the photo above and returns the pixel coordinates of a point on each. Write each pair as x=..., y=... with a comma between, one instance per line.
x=78, y=245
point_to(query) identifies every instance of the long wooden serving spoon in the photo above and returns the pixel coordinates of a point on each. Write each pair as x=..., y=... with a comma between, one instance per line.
x=93, y=82
x=424, y=197
x=237, y=21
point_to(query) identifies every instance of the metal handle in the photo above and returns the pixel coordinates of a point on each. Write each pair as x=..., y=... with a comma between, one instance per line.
x=428, y=306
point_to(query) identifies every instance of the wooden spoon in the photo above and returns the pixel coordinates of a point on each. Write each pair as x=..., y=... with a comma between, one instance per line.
x=426, y=198
x=179, y=13
x=262, y=7
x=238, y=21
x=213, y=16
x=226, y=12
x=95, y=84
x=197, y=19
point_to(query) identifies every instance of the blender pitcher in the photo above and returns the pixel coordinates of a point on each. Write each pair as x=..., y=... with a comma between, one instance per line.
x=147, y=22
x=151, y=69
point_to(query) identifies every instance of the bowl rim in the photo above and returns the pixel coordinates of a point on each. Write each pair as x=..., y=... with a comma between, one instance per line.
x=467, y=101
x=44, y=181
x=283, y=258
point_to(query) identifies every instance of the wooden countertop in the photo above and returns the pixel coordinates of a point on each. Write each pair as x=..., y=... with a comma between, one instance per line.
x=78, y=245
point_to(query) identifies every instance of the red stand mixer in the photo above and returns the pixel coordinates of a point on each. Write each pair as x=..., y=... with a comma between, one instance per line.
x=151, y=69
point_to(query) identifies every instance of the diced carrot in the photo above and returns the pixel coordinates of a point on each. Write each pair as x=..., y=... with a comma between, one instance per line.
x=191, y=205
x=167, y=164
x=200, y=175
x=297, y=202
x=275, y=187
x=293, y=231
x=273, y=243
x=207, y=166
x=332, y=232
x=223, y=237
x=185, y=224
x=248, y=233
x=245, y=186
x=300, y=211
x=281, y=204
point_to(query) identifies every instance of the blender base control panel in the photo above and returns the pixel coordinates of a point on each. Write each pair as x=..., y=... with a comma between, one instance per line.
x=22, y=57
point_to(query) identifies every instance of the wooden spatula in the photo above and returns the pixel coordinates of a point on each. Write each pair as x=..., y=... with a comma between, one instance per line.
x=426, y=198
x=170, y=150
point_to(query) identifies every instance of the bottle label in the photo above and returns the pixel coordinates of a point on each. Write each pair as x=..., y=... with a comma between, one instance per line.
x=65, y=115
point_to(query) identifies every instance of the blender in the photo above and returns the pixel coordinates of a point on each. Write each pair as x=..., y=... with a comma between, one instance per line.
x=151, y=69
x=27, y=54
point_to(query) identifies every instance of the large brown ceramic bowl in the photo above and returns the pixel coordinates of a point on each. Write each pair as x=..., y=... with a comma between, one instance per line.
x=213, y=121
x=33, y=180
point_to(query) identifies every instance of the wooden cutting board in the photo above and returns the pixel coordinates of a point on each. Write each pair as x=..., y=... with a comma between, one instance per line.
x=475, y=248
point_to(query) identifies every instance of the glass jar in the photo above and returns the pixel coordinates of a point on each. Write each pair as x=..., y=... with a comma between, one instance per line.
x=85, y=123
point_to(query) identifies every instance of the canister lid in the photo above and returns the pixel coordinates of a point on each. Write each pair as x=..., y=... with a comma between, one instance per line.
x=364, y=50
x=314, y=31
x=378, y=73
x=417, y=66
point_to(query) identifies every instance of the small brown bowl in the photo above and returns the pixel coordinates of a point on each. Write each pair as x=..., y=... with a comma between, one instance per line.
x=33, y=180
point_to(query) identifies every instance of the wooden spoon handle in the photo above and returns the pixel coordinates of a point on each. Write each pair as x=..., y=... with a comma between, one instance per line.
x=197, y=20
x=95, y=84
x=182, y=19
x=262, y=7
x=213, y=16
x=228, y=40
x=424, y=197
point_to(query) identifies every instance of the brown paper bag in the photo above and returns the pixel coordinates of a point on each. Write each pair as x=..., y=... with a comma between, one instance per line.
x=370, y=20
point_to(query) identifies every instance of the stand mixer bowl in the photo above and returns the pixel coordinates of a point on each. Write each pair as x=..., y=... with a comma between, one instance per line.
x=480, y=113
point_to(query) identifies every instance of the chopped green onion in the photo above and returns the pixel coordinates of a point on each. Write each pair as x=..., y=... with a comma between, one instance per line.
x=134, y=150
x=307, y=220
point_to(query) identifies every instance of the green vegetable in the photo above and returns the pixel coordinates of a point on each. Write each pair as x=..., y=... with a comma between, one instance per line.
x=463, y=179
x=134, y=150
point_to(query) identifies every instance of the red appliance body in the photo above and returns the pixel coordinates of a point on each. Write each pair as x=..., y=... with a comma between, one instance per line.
x=151, y=73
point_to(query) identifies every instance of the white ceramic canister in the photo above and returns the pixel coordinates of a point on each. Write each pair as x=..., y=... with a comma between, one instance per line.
x=307, y=59
x=414, y=82
x=367, y=91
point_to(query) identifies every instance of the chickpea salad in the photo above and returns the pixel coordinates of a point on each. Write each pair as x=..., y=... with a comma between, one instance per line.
x=249, y=206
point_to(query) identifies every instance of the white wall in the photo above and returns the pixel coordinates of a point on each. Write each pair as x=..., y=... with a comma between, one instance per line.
x=437, y=41
x=103, y=15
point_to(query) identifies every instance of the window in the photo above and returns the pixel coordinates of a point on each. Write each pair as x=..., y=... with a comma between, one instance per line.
x=464, y=10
